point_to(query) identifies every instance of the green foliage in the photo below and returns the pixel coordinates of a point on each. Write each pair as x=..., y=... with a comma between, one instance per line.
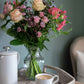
x=3, y=26
x=12, y=32
x=16, y=42
x=22, y=2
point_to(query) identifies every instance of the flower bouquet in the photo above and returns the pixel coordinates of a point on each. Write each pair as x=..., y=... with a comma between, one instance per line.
x=30, y=25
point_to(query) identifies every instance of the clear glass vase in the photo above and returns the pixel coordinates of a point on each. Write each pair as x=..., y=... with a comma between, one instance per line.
x=33, y=63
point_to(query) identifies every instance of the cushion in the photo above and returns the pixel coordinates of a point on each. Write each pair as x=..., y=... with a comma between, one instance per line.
x=80, y=66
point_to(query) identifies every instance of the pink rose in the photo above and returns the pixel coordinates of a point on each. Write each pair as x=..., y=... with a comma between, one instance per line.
x=19, y=29
x=42, y=24
x=7, y=8
x=39, y=34
x=45, y=19
x=41, y=14
x=36, y=19
x=2, y=16
x=16, y=15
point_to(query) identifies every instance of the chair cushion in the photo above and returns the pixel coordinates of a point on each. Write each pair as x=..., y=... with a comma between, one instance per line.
x=80, y=66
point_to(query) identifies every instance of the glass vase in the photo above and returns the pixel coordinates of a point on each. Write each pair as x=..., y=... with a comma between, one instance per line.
x=33, y=63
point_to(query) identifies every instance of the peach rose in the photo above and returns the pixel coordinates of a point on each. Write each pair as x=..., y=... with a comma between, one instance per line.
x=38, y=5
x=16, y=16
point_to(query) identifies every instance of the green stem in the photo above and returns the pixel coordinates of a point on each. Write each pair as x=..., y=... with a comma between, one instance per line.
x=33, y=68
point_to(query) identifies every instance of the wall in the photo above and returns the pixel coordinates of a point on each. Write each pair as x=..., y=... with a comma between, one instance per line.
x=58, y=48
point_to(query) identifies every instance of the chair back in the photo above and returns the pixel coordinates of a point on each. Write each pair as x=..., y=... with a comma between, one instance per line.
x=77, y=45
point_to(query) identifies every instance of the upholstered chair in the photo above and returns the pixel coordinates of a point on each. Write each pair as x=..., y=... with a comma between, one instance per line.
x=76, y=46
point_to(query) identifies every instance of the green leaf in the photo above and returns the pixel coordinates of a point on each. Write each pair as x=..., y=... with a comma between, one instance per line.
x=12, y=32
x=16, y=42
x=59, y=20
x=25, y=27
x=3, y=26
x=68, y=22
x=22, y=2
x=17, y=1
x=66, y=33
x=61, y=6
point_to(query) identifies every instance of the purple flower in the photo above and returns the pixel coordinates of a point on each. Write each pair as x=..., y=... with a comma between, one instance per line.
x=19, y=29
x=42, y=24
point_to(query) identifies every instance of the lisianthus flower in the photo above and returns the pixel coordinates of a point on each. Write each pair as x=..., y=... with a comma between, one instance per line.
x=38, y=5
x=19, y=29
x=45, y=19
x=7, y=8
x=39, y=34
x=2, y=16
x=61, y=25
x=54, y=12
x=41, y=14
x=36, y=19
x=42, y=24
x=16, y=15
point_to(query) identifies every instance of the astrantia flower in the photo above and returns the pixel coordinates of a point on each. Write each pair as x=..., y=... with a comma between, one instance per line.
x=2, y=16
x=38, y=5
x=42, y=24
x=16, y=15
x=36, y=19
x=7, y=8
x=55, y=12
x=45, y=19
x=31, y=22
x=39, y=34
x=19, y=29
